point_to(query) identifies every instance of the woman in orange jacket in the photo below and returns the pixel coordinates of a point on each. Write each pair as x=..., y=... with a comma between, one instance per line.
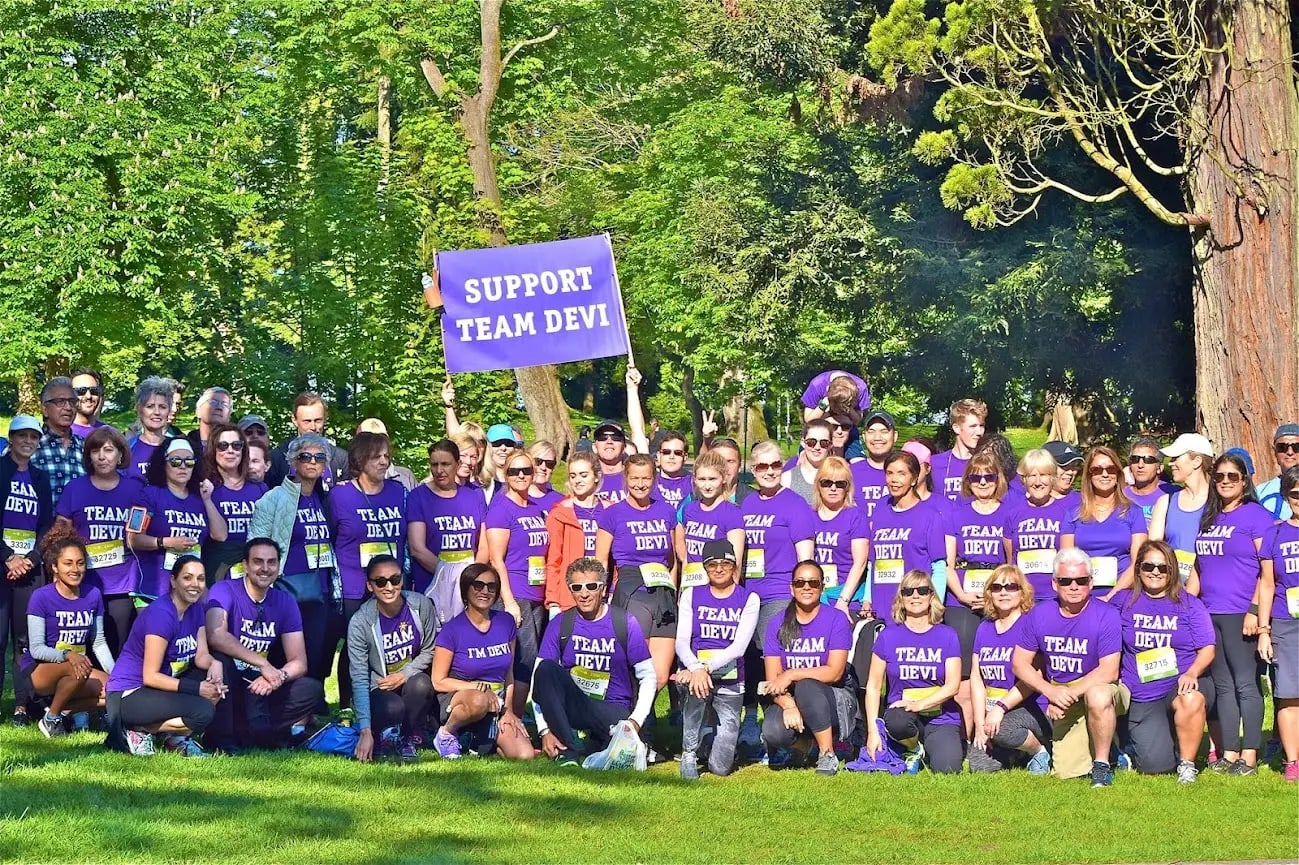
x=571, y=524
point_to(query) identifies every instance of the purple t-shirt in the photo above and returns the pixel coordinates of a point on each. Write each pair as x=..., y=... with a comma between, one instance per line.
x=99, y=516
x=829, y=631
x=870, y=486
x=916, y=666
x=159, y=619
x=772, y=526
x=549, y=498
x=1146, y=501
x=613, y=488
x=673, y=491
x=834, y=539
x=946, y=470
x=1111, y=538
x=1034, y=534
x=589, y=520
x=365, y=526
x=258, y=627
x=237, y=507
x=173, y=517
x=525, y=553
x=1072, y=646
x=69, y=622
x=601, y=667
x=1281, y=546
x=640, y=537
x=141, y=453
x=1228, y=559
x=400, y=639
x=994, y=653
x=310, y=543
x=820, y=385
x=1160, y=639
x=451, y=526
x=84, y=430
x=713, y=625
x=477, y=656
x=902, y=541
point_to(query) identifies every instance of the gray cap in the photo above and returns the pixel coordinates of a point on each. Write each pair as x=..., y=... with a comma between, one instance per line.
x=252, y=420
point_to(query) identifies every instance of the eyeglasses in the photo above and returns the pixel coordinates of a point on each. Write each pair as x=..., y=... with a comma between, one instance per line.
x=1226, y=477
x=485, y=586
x=983, y=479
x=520, y=472
x=380, y=582
x=671, y=452
x=767, y=467
x=182, y=462
x=610, y=437
x=1293, y=495
x=82, y=391
x=908, y=591
x=1287, y=447
x=1137, y=459
x=1153, y=568
x=62, y=401
x=1013, y=588
x=1073, y=581
x=311, y=457
x=1097, y=471
x=503, y=443
x=718, y=564
x=805, y=584
x=235, y=446
x=816, y=443
x=584, y=587
x=548, y=464
x=828, y=484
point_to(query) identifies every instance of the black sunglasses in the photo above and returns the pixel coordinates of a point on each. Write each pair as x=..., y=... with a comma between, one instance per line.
x=983, y=479
x=827, y=484
x=1004, y=587
x=610, y=437
x=485, y=586
x=1153, y=568
x=230, y=446
x=1073, y=581
x=380, y=582
x=520, y=472
x=922, y=591
x=306, y=457
x=816, y=443
x=82, y=391
x=1138, y=458
x=671, y=452
x=800, y=583
x=550, y=464
x=504, y=443
x=1287, y=447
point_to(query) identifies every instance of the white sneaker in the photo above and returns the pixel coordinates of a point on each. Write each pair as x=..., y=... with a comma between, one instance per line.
x=1186, y=772
x=139, y=743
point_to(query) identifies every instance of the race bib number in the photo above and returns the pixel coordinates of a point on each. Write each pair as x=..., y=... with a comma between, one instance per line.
x=1156, y=664
x=320, y=556
x=1292, y=601
x=372, y=549
x=976, y=580
x=74, y=648
x=755, y=564
x=1035, y=561
x=727, y=672
x=593, y=683
x=169, y=560
x=656, y=576
x=693, y=574
x=1185, y=563
x=21, y=541
x=498, y=688
x=922, y=694
x=992, y=696
x=831, y=573
x=237, y=571
x=537, y=571
x=106, y=554
x=179, y=667
x=1105, y=571
x=456, y=557
x=889, y=571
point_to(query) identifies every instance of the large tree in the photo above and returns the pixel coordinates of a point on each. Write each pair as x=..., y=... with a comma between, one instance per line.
x=1190, y=106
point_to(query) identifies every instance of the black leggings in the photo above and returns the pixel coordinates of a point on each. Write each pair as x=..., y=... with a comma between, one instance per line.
x=944, y=750
x=816, y=703
x=317, y=619
x=119, y=614
x=20, y=597
x=1235, y=683
x=405, y=708
x=146, y=706
x=338, y=631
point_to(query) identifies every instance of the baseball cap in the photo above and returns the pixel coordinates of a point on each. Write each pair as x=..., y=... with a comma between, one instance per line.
x=1286, y=429
x=1244, y=457
x=609, y=426
x=1189, y=443
x=501, y=432
x=24, y=422
x=252, y=420
x=372, y=425
x=919, y=451
x=719, y=551
x=1063, y=453
x=880, y=414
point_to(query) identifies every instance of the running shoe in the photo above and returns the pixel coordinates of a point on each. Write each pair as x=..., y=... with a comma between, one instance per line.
x=51, y=727
x=81, y=722
x=1102, y=774
x=914, y=759
x=1123, y=762
x=1271, y=750
x=184, y=746
x=1040, y=763
x=407, y=752
x=447, y=745
x=139, y=743
x=1241, y=768
x=1292, y=771
x=777, y=758
x=827, y=763
x=1186, y=772
x=390, y=740
x=568, y=759
x=689, y=767
x=21, y=718
x=750, y=744
x=1219, y=765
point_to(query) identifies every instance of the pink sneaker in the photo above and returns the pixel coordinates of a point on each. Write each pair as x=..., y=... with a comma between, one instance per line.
x=1292, y=771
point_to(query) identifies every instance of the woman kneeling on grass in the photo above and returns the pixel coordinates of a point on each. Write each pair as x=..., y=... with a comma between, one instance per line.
x=473, y=672
x=165, y=680
x=1278, y=619
x=64, y=620
x=922, y=659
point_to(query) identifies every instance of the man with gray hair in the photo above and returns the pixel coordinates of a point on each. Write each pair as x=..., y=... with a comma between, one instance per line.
x=58, y=452
x=214, y=406
x=1079, y=639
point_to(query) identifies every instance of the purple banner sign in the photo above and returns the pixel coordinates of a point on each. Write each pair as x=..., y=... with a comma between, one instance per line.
x=516, y=306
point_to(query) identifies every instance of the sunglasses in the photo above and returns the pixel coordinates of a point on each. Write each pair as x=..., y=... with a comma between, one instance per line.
x=1153, y=568
x=311, y=457
x=485, y=586
x=1287, y=447
x=827, y=484
x=839, y=427
x=718, y=564
x=767, y=467
x=1293, y=495
x=1097, y=471
x=584, y=587
x=230, y=446
x=671, y=452
x=610, y=437
x=816, y=443
x=1073, y=581
x=1226, y=477
x=520, y=472
x=983, y=479
x=805, y=584
x=380, y=582
x=503, y=443
x=1014, y=588
x=182, y=462
x=922, y=591
x=1137, y=459
x=548, y=464
x=82, y=391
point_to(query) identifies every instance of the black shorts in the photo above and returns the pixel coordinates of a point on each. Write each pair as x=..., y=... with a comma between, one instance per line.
x=481, y=733
x=655, y=610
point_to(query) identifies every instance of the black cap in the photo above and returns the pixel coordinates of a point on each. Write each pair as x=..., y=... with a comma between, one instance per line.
x=1063, y=453
x=609, y=426
x=719, y=551
x=880, y=415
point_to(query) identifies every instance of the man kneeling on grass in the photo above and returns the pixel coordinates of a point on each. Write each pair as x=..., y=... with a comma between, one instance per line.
x=1080, y=640
x=585, y=666
x=255, y=630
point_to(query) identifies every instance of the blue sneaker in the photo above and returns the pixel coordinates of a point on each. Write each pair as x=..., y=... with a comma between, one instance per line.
x=777, y=759
x=1123, y=762
x=915, y=759
x=1040, y=764
x=81, y=722
x=1102, y=774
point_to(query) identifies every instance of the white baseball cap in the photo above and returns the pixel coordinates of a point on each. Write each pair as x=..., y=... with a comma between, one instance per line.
x=1189, y=443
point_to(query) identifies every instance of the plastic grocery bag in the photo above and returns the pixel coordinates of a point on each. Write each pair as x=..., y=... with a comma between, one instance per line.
x=625, y=750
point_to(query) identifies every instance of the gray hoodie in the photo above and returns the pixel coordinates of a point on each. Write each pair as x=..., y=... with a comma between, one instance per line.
x=365, y=649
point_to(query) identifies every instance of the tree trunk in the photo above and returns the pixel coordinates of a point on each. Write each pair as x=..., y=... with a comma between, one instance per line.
x=29, y=394
x=383, y=132
x=692, y=403
x=1245, y=176
x=546, y=407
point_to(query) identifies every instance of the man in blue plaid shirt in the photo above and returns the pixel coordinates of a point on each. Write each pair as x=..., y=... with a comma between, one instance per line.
x=59, y=450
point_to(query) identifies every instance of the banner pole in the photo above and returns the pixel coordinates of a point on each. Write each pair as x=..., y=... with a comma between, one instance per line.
x=622, y=307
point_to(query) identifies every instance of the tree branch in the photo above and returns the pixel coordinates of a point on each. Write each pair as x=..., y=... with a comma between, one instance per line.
x=545, y=37
x=437, y=82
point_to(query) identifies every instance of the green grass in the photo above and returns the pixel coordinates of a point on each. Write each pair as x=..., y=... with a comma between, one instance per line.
x=69, y=800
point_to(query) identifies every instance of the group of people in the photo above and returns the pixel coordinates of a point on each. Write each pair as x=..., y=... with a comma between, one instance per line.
x=1060, y=611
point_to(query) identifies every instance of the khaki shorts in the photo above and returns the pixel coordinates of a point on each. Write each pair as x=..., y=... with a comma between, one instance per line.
x=1071, y=744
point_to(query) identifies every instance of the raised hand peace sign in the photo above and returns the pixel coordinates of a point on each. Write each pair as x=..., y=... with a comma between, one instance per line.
x=709, y=428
